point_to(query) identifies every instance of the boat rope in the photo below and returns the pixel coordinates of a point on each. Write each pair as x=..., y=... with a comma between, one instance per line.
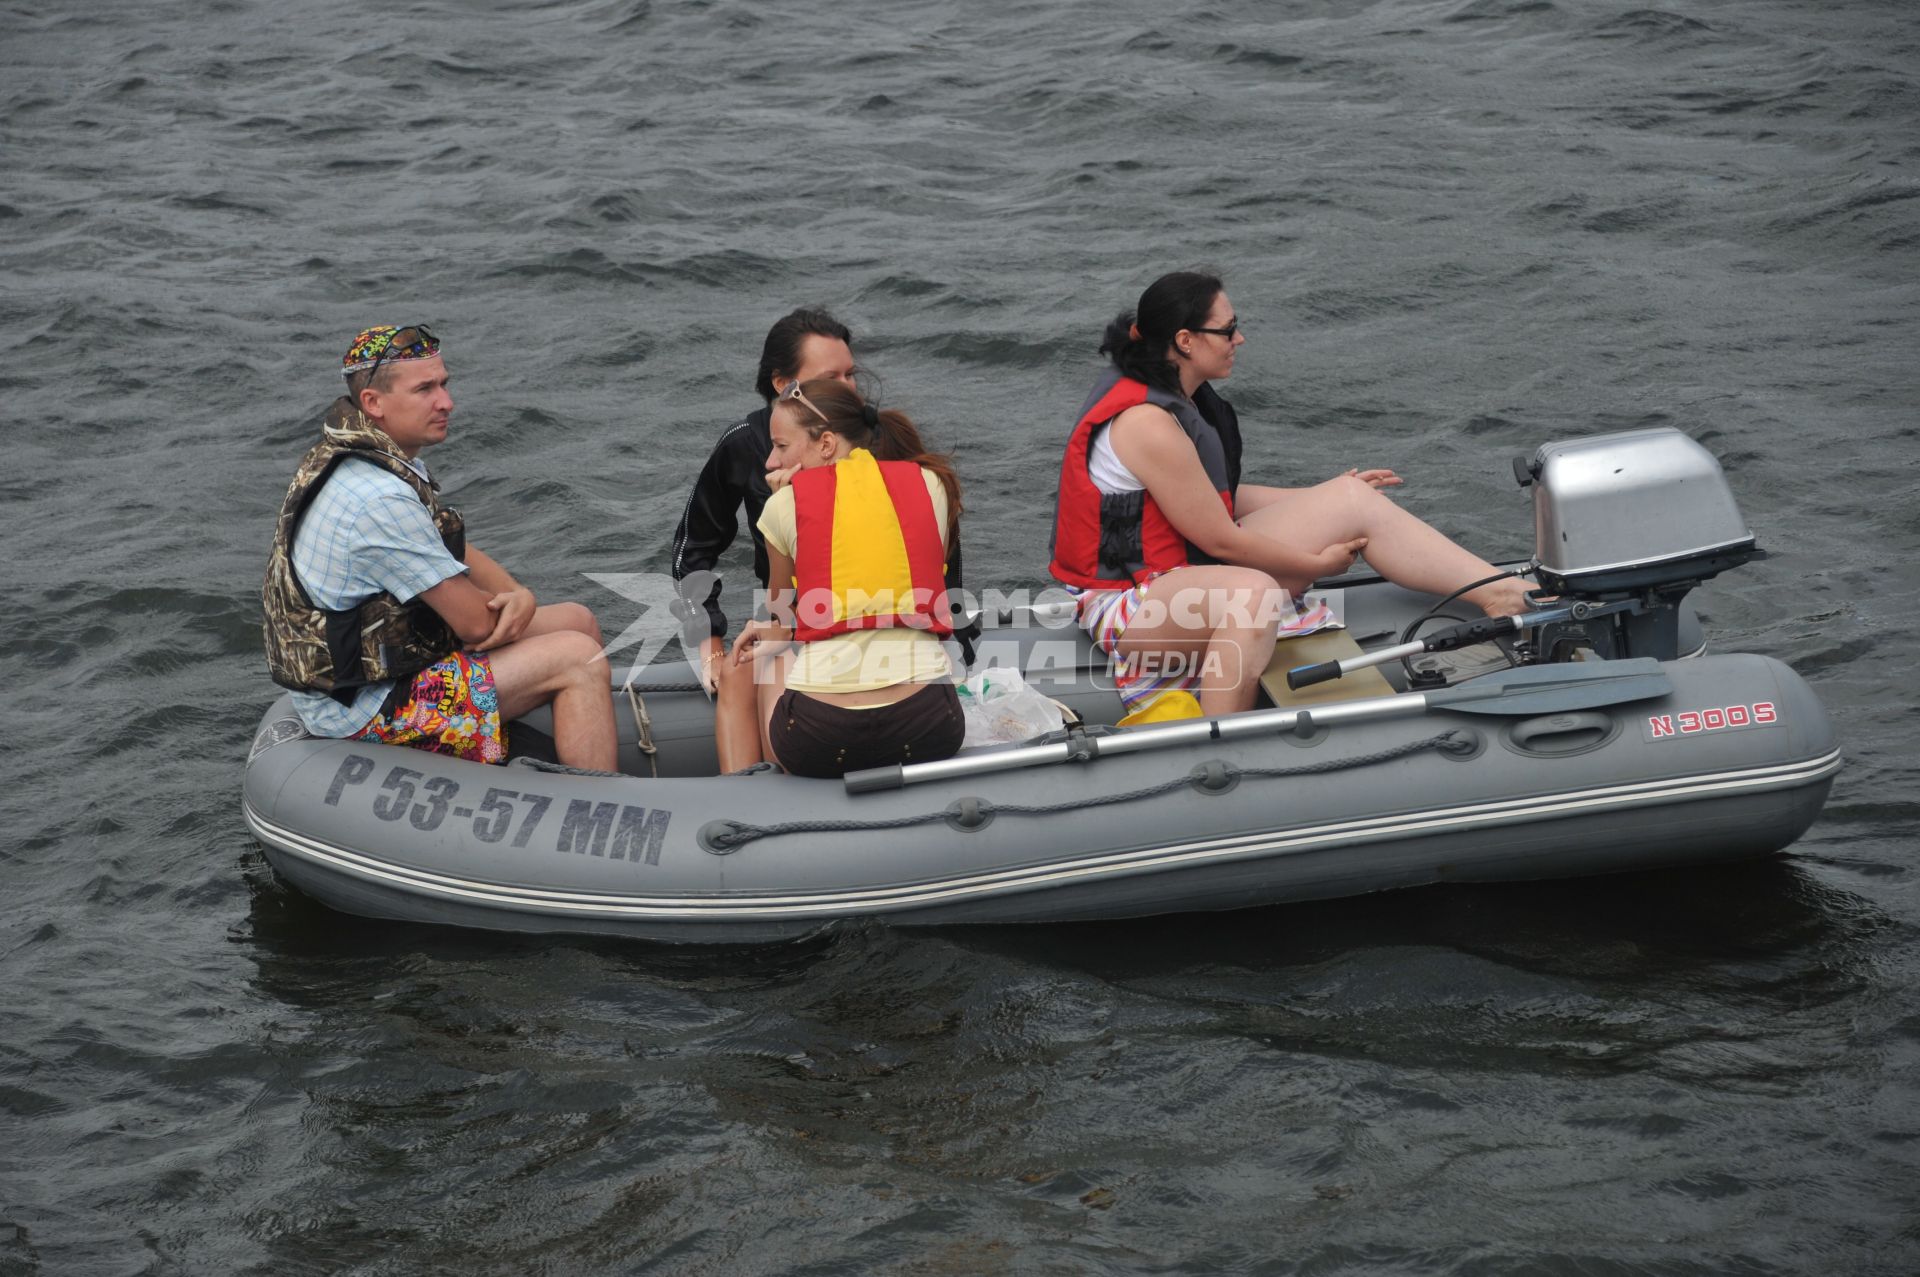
x=643, y=728
x=724, y=837
x=562, y=769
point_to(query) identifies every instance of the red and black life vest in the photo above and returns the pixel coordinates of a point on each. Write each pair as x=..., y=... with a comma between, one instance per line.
x=1112, y=541
x=867, y=552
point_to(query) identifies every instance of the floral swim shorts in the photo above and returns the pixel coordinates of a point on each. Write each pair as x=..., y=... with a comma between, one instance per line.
x=450, y=709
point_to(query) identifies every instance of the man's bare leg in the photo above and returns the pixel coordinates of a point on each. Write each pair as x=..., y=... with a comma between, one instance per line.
x=562, y=665
x=551, y=618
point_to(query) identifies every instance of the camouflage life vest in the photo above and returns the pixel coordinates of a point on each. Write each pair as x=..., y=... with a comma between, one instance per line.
x=312, y=649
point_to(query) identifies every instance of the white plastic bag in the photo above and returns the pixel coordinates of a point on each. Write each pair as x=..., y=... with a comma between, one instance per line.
x=1001, y=709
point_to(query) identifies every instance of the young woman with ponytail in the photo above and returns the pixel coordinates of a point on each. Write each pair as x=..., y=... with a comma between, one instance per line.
x=852, y=671
x=1185, y=574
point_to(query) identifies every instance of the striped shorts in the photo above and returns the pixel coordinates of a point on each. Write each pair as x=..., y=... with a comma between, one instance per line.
x=1105, y=615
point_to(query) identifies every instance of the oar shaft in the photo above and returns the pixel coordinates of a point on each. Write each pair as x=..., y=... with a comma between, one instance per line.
x=899, y=776
x=1524, y=690
x=1307, y=675
x=1136, y=740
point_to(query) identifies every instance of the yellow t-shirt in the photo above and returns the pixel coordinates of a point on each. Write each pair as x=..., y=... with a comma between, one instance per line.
x=859, y=660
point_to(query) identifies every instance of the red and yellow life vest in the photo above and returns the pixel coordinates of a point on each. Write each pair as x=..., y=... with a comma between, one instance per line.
x=867, y=552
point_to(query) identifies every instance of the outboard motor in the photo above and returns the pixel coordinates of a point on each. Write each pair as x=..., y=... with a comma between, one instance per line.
x=1628, y=523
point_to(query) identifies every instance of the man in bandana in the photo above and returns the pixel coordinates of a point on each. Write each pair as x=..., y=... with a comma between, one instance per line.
x=381, y=618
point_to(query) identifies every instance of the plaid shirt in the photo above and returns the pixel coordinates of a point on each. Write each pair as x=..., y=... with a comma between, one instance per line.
x=365, y=532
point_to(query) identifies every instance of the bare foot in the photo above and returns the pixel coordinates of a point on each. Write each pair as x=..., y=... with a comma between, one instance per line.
x=1503, y=598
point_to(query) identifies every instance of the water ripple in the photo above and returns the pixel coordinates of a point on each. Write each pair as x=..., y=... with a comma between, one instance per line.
x=1455, y=228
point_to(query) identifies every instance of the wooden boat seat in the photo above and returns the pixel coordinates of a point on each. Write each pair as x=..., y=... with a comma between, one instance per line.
x=1311, y=649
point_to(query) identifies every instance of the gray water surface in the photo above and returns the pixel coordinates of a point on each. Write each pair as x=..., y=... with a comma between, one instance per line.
x=1453, y=230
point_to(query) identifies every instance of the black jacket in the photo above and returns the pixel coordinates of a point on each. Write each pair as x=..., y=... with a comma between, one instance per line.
x=736, y=475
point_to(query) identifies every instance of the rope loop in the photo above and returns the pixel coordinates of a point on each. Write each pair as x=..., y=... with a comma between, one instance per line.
x=1214, y=777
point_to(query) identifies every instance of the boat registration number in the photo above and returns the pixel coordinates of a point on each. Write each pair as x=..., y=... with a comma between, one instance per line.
x=615, y=831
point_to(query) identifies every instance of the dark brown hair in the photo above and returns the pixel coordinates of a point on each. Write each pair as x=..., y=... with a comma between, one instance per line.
x=887, y=433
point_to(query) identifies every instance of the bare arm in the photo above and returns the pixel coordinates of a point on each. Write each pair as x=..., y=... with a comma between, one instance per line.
x=1152, y=445
x=773, y=635
x=463, y=606
x=487, y=574
x=510, y=603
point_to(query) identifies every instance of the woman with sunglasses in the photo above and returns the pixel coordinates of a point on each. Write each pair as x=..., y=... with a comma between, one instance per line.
x=1184, y=573
x=853, y=673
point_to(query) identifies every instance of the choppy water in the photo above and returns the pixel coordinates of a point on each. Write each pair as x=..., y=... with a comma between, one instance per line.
x=1454, y=230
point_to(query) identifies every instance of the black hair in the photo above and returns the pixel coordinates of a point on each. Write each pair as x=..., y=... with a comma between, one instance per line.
x=780, y=357
x=1172, y=302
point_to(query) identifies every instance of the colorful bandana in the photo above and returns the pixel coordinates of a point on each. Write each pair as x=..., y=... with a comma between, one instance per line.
x=375, y=346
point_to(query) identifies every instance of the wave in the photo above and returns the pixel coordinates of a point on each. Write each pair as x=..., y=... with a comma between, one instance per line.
x=1652, y=27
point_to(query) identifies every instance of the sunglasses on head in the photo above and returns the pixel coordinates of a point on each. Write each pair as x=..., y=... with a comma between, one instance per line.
x=422, y=345
x=792, y=395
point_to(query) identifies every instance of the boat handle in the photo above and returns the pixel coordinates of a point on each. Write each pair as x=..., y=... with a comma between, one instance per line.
x=1549, y=733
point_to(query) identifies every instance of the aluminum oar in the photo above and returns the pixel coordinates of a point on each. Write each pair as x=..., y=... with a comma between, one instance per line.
x=1521, y=692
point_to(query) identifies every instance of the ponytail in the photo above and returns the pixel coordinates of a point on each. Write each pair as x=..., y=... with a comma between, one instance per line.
x=1137, y=341
x=887, y=433
x=1138, y=358
x=897, y=439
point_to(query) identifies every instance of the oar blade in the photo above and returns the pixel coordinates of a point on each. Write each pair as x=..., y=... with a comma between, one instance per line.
x=1557, y=689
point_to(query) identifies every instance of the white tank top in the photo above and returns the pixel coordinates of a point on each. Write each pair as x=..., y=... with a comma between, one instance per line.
x=1109, y=474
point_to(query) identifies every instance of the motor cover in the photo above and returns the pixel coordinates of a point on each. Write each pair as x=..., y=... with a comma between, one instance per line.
x=1632, y=510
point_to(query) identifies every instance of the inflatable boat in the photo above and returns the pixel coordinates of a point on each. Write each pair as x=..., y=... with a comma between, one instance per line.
x=1593, y=736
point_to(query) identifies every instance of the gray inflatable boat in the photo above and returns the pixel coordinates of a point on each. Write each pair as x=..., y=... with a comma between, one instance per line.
x=1591, y=738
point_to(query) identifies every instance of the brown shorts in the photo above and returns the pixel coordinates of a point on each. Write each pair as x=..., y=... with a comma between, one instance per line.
x=813, y=738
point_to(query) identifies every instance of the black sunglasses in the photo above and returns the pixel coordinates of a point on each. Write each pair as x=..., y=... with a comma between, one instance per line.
x=422, y=345
x=1232, y=327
